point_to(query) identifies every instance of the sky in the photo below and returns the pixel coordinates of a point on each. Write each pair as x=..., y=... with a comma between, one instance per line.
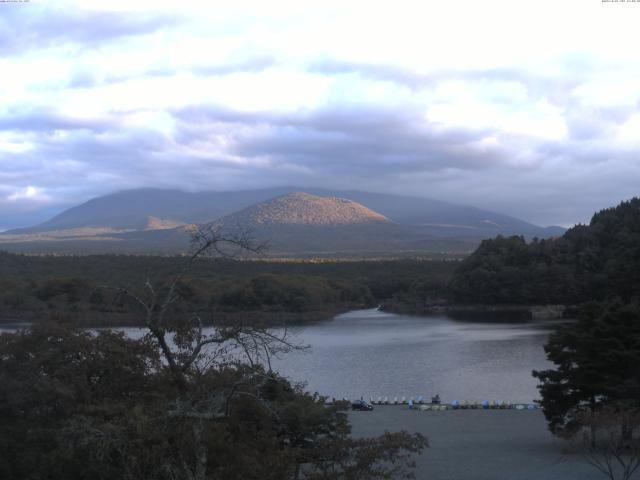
x=530, y=108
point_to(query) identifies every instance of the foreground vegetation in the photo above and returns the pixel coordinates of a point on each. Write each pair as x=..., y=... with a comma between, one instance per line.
x=77, y=406
x=597, y=364
x=179, y=403
x=592, y=395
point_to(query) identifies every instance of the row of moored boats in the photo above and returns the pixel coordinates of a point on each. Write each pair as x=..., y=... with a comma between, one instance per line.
x=435, y=404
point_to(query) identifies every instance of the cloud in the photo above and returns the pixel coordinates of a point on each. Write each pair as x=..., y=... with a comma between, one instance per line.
x=341, y=146
x=48, y=120
x=28, y=27
x=355, y=140
x=481, y=108
x=30, y=193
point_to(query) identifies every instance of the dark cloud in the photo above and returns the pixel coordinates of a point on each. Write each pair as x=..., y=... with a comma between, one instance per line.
x=397, y=150
x=47, y=120
x=357, y=139
x=345, y=147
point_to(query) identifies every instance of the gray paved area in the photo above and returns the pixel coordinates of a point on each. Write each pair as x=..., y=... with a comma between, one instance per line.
x=480, y=444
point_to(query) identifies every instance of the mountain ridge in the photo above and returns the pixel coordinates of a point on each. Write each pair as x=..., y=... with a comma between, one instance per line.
x=132, y=208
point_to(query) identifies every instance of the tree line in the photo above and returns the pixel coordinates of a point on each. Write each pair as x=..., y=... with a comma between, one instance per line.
x=270, y=290
x=599, y=261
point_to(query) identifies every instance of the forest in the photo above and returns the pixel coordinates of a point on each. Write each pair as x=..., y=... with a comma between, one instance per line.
x=599, y=261
x=85, y=288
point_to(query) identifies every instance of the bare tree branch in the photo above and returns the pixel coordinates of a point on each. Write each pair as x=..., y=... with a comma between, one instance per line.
x=608, y=443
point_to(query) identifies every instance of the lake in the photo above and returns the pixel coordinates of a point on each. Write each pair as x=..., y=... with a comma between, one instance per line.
x=372, y=353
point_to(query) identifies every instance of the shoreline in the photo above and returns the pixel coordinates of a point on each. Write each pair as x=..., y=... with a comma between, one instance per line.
x=129, y=320
x=507, y=313
x=524, y=312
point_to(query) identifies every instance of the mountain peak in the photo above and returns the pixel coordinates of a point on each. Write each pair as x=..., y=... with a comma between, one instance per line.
x=301, y=208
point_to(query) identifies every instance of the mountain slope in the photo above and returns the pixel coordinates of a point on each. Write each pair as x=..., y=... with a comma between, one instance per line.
x=303, y=223
x=131, y=209
x=151, y=220
x=442, y=218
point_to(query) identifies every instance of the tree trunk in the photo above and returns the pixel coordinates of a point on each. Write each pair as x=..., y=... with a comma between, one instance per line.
x=200, y=450
x=627, y=433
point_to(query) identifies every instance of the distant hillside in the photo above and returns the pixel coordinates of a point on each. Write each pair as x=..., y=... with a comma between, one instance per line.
x=145, y=221
x=444, y=219
x=598, y=261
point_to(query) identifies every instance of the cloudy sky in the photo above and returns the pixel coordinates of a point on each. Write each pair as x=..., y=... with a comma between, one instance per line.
x=530, y=108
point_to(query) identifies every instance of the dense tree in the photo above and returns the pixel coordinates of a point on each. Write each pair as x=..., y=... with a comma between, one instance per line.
x=60, y=387
x=600, y=261
x=611, y=451
x=267, y=290
x=597, y=363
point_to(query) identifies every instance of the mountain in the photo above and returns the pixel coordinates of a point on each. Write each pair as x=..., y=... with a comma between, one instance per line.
x=299, y=208
x=131, y=209
x=299, y=223
x=151, y=220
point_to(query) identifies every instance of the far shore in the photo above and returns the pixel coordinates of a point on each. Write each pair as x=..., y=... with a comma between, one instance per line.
x=275, y=319
x=521, y=312
x=94, y=319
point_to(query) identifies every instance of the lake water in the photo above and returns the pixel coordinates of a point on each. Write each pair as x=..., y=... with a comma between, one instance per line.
x=372, y=353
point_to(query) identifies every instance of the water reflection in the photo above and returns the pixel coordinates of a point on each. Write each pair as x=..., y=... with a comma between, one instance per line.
x=365, y=353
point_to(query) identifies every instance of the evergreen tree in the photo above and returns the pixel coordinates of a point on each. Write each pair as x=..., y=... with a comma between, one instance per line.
x=597, y=364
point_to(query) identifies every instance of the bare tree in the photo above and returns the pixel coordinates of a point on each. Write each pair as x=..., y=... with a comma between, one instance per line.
x=221, y=382
x=191, y=351
x=183, y=342
x=608, y=443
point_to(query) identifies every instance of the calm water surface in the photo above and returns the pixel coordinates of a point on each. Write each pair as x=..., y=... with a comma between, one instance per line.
x=372, y=353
